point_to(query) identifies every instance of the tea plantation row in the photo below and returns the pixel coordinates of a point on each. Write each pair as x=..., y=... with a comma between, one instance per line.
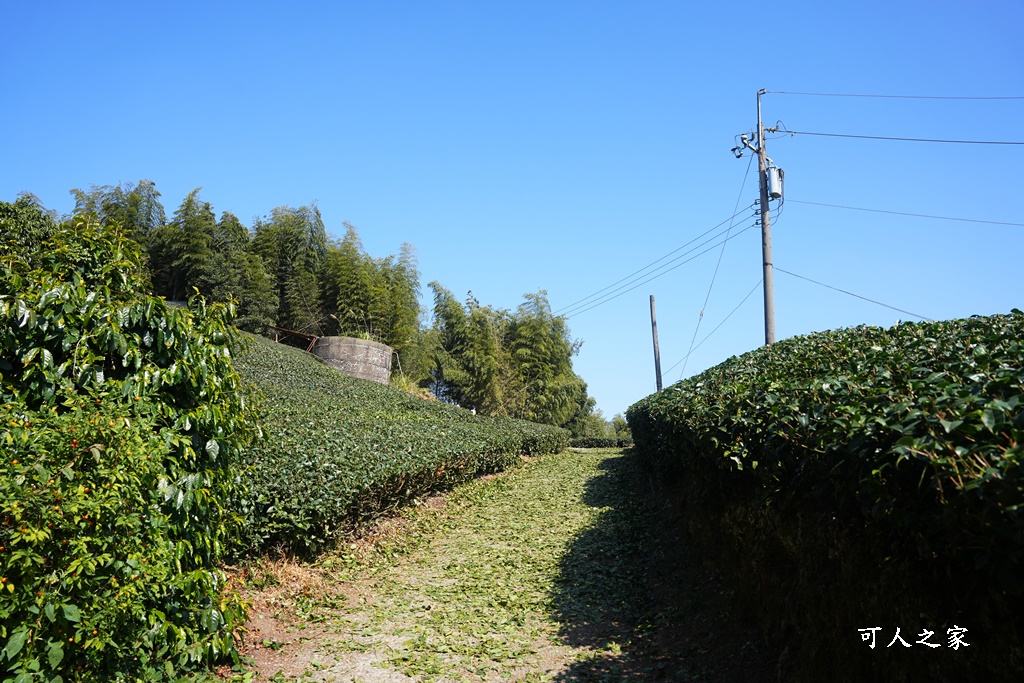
x=337, y=451
x=863, y=478
x=127, y=435
x=602, y=442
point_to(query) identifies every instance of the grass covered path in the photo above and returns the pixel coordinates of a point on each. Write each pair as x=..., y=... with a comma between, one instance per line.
x=566, y=569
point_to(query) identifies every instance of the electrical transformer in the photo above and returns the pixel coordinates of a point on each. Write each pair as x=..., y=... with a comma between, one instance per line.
x=775, y=178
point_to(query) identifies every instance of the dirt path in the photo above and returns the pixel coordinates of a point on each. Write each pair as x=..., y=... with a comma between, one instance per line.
x=567, y=569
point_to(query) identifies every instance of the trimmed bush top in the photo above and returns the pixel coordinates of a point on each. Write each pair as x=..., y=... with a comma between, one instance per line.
x=338, y=450
x=921, y=425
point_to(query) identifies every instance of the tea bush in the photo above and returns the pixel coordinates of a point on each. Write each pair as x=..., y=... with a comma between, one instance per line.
x=602, y=442
x=862, y=475
x=122, y=419
x=338, y=451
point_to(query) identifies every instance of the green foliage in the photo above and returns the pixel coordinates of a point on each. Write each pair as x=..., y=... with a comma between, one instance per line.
x=601, y=442
x=396, y=307
x=195, y=252
x=238, y=275
x=136, y=208
x=621, y=428
x=414, y=364
x=23, y=225
x=370, y=298
x=472, y=361
x=538, y=439
x=581, y=423
x=517, y=365
x=542, y=350
x=293, y=246
x=93, y=574
x=181, y=253
x=122, y=421
x=290, y=275
x=896, y=451
x=592, y=426
x=338, y=451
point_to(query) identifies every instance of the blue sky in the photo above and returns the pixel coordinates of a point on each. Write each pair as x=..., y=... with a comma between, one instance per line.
x=561, y=146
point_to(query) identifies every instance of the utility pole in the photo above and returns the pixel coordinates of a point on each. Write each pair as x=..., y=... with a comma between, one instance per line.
x=657, y=353
x=766, y=232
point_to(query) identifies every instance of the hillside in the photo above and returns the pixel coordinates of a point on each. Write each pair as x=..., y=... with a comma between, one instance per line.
x=337, y=451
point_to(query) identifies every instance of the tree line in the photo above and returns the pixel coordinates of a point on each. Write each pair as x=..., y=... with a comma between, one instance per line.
x=286, y=272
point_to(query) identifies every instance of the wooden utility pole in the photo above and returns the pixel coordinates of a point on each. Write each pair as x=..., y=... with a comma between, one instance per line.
x=657, y=353
x=766, y=230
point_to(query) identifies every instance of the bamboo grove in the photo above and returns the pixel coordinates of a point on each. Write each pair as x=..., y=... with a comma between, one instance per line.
x=287, y=272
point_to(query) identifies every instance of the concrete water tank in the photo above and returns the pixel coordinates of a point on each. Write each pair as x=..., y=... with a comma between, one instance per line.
x=356, y=357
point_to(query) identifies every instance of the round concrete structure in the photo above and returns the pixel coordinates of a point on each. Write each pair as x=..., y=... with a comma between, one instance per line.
x=356, y=357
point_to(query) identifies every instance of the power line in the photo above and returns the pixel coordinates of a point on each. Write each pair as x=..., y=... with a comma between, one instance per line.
x=575, y=304
x=611, y=297
x=900, y=97
x=719, y=263
x=916, y=315
x=569, y=310
x=573, y=310
x=694, y=348
x=903, y=213
x=655, y=277
x=883, y=137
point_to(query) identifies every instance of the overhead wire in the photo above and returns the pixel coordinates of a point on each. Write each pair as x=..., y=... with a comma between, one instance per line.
x=637, y=278
x=901, y=97
x=712, y=332
x=837, y=289
x=779, y=210
x=714, y=275
x=577, y=304
x=782, y=130
x=884, y=137
x=665, y=272
x=904, y=213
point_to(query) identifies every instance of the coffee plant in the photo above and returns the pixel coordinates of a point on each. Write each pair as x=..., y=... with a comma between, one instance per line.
x=121, y=424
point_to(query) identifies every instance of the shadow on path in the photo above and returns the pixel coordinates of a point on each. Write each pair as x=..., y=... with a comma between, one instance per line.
x=630, y=592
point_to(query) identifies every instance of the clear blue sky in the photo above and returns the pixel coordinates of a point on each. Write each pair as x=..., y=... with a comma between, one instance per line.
x=560, y=146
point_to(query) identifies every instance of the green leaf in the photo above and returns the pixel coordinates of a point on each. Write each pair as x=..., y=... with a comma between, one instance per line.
x=72, y=613
x=55, y=654
x=989, y=418
x=950, y=425
x=16, y=642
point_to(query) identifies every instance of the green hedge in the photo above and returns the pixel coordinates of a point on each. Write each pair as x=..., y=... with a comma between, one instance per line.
x=602, y=442
x=338, y=451
x=120, y=424
x=538, y=439
x=860, y=478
